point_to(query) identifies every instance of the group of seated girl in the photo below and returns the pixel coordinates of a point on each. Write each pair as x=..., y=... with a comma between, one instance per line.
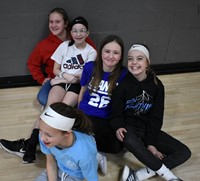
x=93, y=105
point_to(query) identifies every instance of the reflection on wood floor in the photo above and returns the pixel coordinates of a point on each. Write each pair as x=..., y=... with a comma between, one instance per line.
x=19, y=109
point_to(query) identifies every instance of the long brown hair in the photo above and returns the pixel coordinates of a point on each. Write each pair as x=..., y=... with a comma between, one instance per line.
x=60, y=11
x=98, y=69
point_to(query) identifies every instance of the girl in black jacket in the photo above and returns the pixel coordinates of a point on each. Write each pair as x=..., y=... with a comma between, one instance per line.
x=138, y=117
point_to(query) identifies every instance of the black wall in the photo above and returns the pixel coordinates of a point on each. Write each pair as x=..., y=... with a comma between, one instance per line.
x=171, y=28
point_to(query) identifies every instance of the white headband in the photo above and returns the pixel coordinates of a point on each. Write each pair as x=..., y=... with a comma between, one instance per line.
x=57, y=121
x=140, y=48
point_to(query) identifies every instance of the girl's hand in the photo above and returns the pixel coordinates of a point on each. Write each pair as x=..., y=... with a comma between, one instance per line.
x=78, y=76
x=155, y=152
x=71, y=78
x=57, y=80
x=120, y=134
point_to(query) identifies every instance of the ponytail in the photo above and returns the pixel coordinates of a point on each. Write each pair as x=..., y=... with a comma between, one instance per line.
x=82, y=122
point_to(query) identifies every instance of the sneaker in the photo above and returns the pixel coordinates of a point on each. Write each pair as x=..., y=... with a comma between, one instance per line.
x=128, y=175
x=14, y=147
x=27, y=159
x=102, y=162
x=31, y=147
x=30, y=152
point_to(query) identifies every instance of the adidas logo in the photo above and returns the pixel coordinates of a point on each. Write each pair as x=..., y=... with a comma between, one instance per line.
x=131, y=178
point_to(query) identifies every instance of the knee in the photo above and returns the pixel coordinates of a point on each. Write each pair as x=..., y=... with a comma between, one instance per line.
x=41, y=99
x=115, y=148
x=129, y=142
x=42, y=95
x=133, y=144
x=118, y=148
x=187, y=153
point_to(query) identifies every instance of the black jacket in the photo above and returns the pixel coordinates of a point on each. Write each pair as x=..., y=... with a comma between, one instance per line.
x=139, y=104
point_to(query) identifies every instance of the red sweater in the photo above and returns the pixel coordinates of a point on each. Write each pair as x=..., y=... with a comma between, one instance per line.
x=41, y=56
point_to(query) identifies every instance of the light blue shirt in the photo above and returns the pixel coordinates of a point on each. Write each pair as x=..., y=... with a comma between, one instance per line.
x=79, y=160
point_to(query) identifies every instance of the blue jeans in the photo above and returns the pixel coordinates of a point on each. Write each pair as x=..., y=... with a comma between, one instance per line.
x=43, y=93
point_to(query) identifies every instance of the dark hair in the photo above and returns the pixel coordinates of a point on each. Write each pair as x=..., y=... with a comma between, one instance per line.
x=64, y=15
x=82, y=122
x=80, y=20
x=60, y=11
x=98, y=70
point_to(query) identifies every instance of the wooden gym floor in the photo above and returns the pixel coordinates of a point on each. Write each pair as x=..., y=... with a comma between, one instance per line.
x=19, y=109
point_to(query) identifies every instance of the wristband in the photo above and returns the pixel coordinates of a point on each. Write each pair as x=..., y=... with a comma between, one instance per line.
x=61, y=75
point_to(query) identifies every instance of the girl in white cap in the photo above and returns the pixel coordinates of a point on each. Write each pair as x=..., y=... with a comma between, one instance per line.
x=65, y=137
x=138, y=117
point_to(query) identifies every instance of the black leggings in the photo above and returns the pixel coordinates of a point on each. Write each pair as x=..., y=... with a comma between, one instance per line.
x=105, y=137
x=175, y=152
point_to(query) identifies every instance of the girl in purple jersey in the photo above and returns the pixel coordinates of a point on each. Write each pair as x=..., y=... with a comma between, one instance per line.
x=98, y=80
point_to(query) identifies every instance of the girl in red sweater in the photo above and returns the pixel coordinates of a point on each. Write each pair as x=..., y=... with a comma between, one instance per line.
x=40, y=63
